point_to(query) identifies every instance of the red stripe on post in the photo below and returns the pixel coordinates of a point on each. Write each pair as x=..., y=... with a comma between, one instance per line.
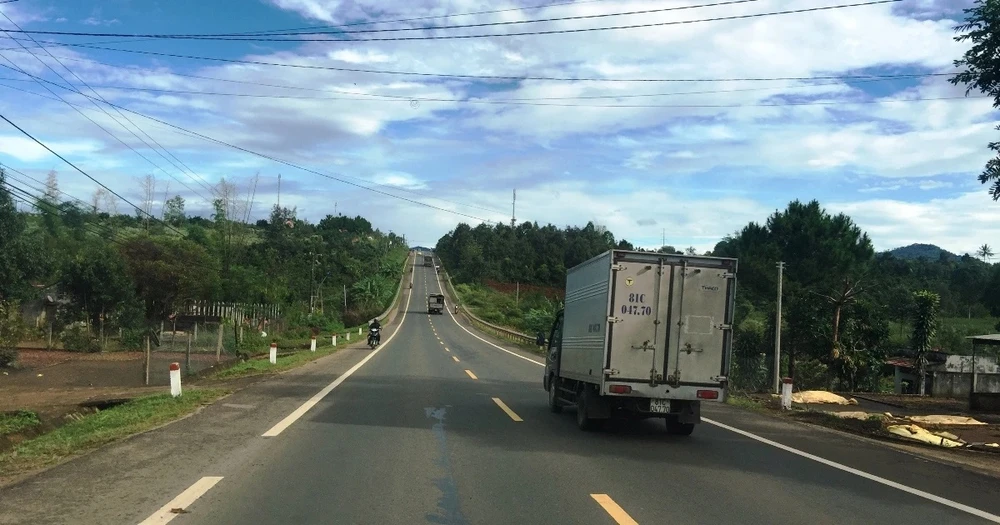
x=175, y=366
x=274, y=345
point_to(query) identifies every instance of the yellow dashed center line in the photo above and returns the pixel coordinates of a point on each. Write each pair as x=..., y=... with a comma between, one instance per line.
x=616, y=512
x=503, y=406
x=456, y=360
x=446, y=349
x=473, y=376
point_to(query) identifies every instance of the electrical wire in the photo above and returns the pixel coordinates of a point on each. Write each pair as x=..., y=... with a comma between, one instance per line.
x=126, y=128
x=395, y=188
x=418, y=98
x=251, y=37
x=84, y=173
x=474, y=77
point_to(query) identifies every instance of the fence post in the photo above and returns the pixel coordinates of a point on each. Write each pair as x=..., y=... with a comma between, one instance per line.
x=218, y=343
x=187, y=356
x=146, y=365
x=196, y=332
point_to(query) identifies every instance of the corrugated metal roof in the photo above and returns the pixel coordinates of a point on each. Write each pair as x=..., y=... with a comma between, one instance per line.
x=988, y=339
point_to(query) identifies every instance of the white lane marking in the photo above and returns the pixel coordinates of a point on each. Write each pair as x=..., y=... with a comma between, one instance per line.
x=484, y=340
x=860, y=473
x=299, y=412
x=182, y=501
x=916, y=492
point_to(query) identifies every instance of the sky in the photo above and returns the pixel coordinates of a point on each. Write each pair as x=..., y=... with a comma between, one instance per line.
x=699, y=148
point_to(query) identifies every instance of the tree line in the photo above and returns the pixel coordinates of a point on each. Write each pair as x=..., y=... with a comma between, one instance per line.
x=839, y=295
x=127, y=273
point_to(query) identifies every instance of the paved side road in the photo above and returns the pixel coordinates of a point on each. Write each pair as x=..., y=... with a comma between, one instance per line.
x=441, y=426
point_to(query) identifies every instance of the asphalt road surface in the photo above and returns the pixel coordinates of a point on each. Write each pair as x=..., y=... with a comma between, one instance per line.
x=440, y=426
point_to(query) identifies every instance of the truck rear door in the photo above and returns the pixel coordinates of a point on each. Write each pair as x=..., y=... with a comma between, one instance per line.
x=701, y=316
x=637, y=321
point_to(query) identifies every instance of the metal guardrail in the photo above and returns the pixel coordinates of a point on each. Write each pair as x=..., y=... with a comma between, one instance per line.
x=499, y=331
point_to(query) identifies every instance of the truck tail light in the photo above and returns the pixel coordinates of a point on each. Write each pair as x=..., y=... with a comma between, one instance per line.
x=620, y=389
x=708, y=394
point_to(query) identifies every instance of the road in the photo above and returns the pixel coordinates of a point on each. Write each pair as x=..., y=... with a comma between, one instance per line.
x=440, y=426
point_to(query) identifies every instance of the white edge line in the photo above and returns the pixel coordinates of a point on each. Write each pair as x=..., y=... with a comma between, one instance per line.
x=183, y=500
x=299, y=412
x=480, y=338
x=910, y=490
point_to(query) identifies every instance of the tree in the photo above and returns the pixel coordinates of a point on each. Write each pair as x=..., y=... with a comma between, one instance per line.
x=22, y=259
x=925, y=312
x=97, y=281
x=51, y=194
x=985, y=252
x=982, y=70
x=173, y=210
x=691, y=250
x=168, y=272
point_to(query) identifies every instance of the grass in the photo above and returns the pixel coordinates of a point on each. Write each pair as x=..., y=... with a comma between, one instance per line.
x=103, y=427
x=16, y=422
x=744, y=402
x=261, y=366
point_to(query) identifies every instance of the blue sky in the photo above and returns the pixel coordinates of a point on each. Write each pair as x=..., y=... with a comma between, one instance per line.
x=700, y=160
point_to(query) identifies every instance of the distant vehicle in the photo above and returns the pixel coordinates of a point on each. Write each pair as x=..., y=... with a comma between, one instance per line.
x=428, y=261
x=435, y=303
x=642, y=335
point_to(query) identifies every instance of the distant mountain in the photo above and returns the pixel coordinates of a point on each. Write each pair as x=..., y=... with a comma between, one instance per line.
x=916, y=251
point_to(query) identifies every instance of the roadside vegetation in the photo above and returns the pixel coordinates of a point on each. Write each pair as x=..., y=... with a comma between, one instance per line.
x=91, y=277
x=846, y=308
x=105, y=426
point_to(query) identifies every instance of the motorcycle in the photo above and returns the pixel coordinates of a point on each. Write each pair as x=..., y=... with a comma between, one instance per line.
x=374, y=337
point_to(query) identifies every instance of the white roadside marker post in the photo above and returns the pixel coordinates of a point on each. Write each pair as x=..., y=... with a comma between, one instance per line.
x=274, y=353
x=175, y=379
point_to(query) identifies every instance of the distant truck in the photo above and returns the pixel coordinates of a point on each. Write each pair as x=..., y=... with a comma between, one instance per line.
x=435, y=303
x=642, y=335
x=428, y=261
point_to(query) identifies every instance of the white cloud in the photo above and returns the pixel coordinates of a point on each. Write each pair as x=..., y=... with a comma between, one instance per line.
x=401, y=180
x=958, y=224
x=25, y=150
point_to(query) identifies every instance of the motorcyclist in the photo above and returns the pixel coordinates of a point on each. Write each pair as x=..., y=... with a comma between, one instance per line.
x=377, y=327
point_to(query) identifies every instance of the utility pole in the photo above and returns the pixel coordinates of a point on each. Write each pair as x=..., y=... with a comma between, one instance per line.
x=663, y=238
x=279, y=191
x=777, y=332
x=513, y=208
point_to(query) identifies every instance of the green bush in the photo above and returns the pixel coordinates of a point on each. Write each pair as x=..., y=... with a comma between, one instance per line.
x=11, y=330
x=77, y=338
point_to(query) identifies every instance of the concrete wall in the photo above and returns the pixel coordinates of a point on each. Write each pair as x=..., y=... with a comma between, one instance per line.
x=957, y=385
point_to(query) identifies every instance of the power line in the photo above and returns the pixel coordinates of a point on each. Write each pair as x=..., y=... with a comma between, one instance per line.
x=496, y=77
x=194, y=134
x=429, y=17
x=251, y=37
x=419, y=99
x=74, y=166
x=859, y=78
x=105, y=112
x=571, y=105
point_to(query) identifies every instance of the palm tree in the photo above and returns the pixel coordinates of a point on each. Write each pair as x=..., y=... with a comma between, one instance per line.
x=985, y=253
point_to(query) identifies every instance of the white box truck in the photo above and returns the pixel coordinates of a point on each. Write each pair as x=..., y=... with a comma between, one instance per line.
x=642, y=335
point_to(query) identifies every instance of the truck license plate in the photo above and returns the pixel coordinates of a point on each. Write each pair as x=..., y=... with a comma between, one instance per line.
x=659, y=406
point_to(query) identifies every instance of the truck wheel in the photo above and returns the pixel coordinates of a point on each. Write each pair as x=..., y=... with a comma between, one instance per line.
x=554, y=404
x=582, y=421
x=676, y=428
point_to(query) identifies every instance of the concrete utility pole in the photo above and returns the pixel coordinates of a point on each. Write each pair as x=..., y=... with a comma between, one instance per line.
x=513, y=209
x=777, y=332
x=279, y=191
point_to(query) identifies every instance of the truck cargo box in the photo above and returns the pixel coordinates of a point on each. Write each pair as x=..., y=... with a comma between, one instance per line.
x=661, y=323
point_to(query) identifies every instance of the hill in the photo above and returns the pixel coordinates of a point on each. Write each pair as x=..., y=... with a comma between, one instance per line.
x=916, y=251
